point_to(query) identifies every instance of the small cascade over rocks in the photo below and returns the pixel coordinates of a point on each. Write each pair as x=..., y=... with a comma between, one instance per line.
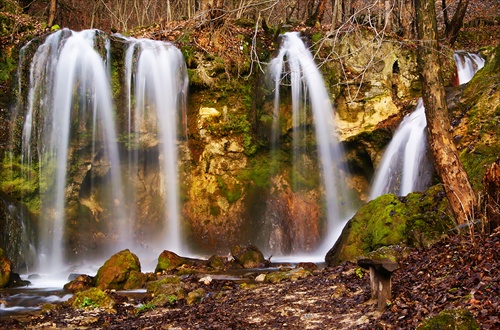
x=467, y=65
x=406, y=165
x=86, y=164
x=294, y=68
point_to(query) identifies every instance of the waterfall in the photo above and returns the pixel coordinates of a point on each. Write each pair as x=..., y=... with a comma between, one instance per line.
x=158, y=81
x=88, y=154
x=467, y=65
x=406, y=165
x=295, y=65
x=69, y=99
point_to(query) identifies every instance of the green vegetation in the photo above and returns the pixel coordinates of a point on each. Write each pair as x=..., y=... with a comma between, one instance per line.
x=146, y=307
x=88, y=303
x=21, y=181
x=231, y=193
x=453, y=319
x=92, y=298
x=262, y=168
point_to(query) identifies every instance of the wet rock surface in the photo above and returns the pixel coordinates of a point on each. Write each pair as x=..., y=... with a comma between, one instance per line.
x=458, y=272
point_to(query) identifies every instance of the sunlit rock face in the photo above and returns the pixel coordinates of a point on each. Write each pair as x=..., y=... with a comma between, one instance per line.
x=377, y=78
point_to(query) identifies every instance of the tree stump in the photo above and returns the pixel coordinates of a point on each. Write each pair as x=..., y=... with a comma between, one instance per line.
x=380, y=278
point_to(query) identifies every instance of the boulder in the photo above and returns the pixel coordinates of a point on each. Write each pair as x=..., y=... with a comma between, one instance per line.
x=92, y=298
x=80, y=283
x=195, y=296
x=168, y=261
x=416, y=220
x=248, y=256
x=290, y=275
x=166, y=291
x=121, y=272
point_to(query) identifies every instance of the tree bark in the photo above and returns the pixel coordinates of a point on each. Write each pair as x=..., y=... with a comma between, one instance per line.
x=388, y=15
x=446, y=158
x=318, y=14
x=336, y=13
x=52, y=13
x=457, y=21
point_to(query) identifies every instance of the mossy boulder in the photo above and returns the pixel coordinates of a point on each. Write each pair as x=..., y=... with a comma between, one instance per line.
x=248, y=256
x=168, y=260
x=291, y=275
x=216, y=262
x=5, y=269
x=92, y=298
x=419, y=219
x=80, y=283
x=121, y=272
x=456, y=319
x=166, y=291
x=195, y=296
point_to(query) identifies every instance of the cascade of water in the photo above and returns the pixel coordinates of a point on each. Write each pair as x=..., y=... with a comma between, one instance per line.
x=467, y=65
x=69, y=96
x=406, y=166
x=402, y=168
x=307, y=88
x=159, y=87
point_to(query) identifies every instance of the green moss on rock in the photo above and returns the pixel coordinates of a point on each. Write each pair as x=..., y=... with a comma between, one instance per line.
x=453, y=319
x=247, y=256
x=92, y=298
x=121, y=271
x=418, y=219
x=168, y=260
x=291, y=275
x=195, y=296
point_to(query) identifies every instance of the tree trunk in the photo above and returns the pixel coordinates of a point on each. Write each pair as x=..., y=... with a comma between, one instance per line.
x=336, y=13
x=457, y=21
x=318, y=14
x=447, y=161
x=52, y=13
x=388, y=15
x=406, y=19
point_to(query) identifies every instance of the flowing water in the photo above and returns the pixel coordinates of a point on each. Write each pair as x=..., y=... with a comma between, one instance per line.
x=158, y=82
x=70, y=126
x=294, y=67
x=406, y=165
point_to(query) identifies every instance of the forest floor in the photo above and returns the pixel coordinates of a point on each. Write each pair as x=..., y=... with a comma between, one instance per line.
x=459, y=272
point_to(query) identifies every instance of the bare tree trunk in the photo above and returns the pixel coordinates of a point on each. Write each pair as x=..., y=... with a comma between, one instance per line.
x=318, y=14
x=406, y=17
x=346, y=10
x=447, y=161
x=388, y=15
x=457, y=21
x=444, y=6
x=52, y=13
x=336, y=12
